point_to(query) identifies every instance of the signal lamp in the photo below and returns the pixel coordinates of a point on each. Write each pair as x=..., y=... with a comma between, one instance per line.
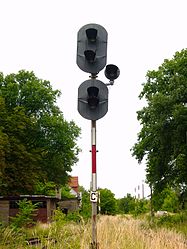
x=92, y=48
x=112, y=72
x=91, y=34
x=90, y=55
x=93, y=99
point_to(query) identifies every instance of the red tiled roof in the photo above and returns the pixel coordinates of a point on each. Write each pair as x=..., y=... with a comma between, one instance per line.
x=74, y=183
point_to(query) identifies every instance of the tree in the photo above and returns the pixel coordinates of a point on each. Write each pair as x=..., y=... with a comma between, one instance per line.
x=131, y=205
x=162, y=139
x=127, y=204
x=167, y=200
x=108, y=202
x=36, y=142
x=18, y=165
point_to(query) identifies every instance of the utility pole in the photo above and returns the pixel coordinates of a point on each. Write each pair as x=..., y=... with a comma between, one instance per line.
x=93, y=95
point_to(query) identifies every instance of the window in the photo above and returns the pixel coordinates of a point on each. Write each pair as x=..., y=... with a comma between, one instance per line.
x=40, y=204
x=13, y=204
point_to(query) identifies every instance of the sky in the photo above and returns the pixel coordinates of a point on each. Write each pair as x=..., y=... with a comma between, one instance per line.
x=41, y=36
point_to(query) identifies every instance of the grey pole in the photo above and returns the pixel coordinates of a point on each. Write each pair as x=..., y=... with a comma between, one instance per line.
x=142, y=189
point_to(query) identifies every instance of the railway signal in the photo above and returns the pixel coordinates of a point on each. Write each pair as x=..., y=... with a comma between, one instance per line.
x=92, y=99
x=93, y=94
x=92, y=48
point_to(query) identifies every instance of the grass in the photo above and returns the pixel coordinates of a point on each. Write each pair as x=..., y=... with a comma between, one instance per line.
x=113, y=232
x=117, y=232
x=182, y=228
x=177, y=221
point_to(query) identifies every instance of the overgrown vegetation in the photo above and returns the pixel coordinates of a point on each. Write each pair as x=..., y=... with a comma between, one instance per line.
x=113, y=232
x=25, y=215
x=176, y=221
x=127, y=225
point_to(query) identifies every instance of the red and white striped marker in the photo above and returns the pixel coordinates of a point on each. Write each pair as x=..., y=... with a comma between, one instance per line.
x=94, y=185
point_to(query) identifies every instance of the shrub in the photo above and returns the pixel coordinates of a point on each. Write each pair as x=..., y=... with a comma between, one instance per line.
x=26, y=212
x=61, y=218
x=170, y=220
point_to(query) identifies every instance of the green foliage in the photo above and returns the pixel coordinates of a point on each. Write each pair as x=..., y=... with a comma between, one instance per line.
x=36, y=143
x=26, y=212
x=167, y=200
x=171, y=202
x=49, y=188
x=170, y=220
x=177, y=221
x=74, y=216
x=131, y=233
x=62, y=219
x=59, y=217
x=45, y=188
x=141, y=207
x=181, y=225
x=58, y=234
x=131, y=205
x=65, y=192
x=86, y=208
x=127, y=204
x=108, y=202
x=162, y=139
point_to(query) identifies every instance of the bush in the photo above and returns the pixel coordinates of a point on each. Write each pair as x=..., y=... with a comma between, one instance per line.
x=61, y=218
x=74, y=216
x=171, y=220
x=24, y=217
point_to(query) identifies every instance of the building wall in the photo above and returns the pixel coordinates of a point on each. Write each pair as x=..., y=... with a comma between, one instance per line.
x=51, y=207
x=4, y=211
x=41, y=215
x=45, y=210
x=70, y=205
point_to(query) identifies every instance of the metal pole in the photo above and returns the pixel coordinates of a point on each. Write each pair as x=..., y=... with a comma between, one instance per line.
x=151, y=202
x=142, y=189
x=94, y=186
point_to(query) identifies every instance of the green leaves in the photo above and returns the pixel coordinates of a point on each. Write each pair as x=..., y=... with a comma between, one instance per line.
x=164, y=122
x=108, y=202
x=24, y=217
x=37, y=143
